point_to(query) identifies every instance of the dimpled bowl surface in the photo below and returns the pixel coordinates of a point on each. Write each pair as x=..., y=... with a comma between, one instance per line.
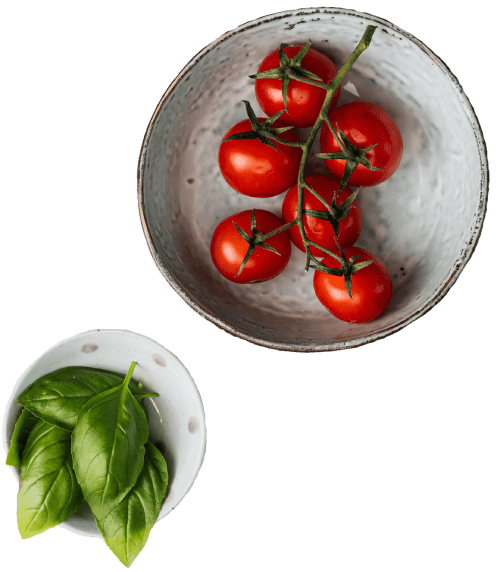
x=176, y=417
x=424, y=222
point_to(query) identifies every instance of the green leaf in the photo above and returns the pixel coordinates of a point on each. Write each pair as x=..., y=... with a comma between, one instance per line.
x=243, y=233
x=297, y=59
x=327, y=270
x=365, y=162
x=274, y=73
x=361, y=265
x=242, y=135
x=254, y=121
x=285, y=61
x=50, y=492
x=284, y=90
x=58, y=397
x=107, y=444
x=340, y=141
x=270, y=120
x=350, y=165
x=278, y=130
x=266, y=246
x=267, y=142
x=348, y=144
x=22, y=429
x=310, y=75
x=300, y=73
x=348, y=284
x=250, y=251
x=334, y=155
x=323, y=215
x=345, y=206
x=126, y=528
x=253, y=222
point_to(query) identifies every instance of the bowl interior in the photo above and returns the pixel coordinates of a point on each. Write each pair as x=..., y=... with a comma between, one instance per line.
x=176, y=417
x=423, y=222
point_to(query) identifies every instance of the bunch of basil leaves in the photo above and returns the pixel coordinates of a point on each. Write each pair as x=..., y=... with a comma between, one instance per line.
x=82, y=434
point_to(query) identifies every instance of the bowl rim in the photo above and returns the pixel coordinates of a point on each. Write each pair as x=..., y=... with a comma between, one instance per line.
x=133, y=335
x=447, y=282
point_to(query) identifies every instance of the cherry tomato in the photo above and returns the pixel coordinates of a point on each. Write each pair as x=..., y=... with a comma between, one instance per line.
x=319, y=230
x=364, y=124
x=371, y=288
x=255, y=169
x=304, y=100
x=229, y=248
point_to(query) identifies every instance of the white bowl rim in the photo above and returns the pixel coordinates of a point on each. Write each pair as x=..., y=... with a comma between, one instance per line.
x=447, y=283
x=83, y=335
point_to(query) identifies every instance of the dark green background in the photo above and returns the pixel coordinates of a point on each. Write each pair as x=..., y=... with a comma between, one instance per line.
x=383, y=458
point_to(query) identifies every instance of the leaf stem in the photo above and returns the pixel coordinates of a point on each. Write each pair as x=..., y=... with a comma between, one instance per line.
x=130, y=371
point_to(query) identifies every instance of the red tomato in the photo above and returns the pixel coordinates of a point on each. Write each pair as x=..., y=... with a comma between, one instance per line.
x=304, y=101
x=229, y=248
x=255, y=169
x=318, y=230
x=371, y=288
x=364, y=124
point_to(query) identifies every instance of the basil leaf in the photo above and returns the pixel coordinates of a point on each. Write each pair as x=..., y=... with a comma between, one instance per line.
x=58, y=397
x=126, y=528
x=22, y=428
x=50, y=492
x=107, y=444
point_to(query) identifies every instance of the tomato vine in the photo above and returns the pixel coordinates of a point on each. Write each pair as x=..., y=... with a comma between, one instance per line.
x=289, y=68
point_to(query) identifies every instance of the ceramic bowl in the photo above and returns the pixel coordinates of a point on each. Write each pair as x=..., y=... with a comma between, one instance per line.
x=424, y=222
x=176, y=417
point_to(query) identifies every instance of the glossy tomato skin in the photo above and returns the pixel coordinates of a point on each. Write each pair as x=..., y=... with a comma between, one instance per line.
x=256, y=169
x=364, y=124
x=318, y=230
x=304, y=100
x=371, y=289
x=229, y=248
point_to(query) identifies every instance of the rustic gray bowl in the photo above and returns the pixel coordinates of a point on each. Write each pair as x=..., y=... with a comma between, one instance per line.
x=424, y=222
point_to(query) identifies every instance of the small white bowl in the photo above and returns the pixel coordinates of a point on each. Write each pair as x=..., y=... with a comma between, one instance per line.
x=423, y=223
x=176, y=417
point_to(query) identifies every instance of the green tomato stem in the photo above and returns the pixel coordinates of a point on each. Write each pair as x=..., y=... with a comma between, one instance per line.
x=330, y=88
x=323, y=115
x=325, y=250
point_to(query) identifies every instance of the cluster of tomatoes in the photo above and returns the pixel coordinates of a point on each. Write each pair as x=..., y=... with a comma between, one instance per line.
x=264, y=157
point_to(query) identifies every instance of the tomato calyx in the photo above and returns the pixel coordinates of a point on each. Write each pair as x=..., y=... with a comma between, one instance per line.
x=334, y=213
x=354, y=155
x=290, y=68
x=263, y=131
x=347, y=267
x=255, y=239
